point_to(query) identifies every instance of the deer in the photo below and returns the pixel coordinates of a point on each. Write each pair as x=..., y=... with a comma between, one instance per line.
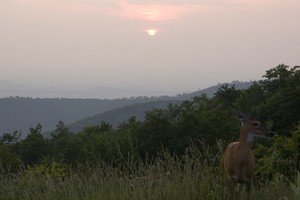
x=238, y=160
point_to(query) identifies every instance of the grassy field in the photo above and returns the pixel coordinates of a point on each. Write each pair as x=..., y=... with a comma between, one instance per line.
x=196, y=175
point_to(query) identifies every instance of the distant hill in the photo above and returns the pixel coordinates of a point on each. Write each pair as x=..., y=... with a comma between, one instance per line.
x=119, y=115
x=8, y=89
x=210, y=91
x=20, y=113
x=116, y=116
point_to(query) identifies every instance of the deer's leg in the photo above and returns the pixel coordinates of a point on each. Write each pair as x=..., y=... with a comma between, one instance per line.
x=248, y=189
x=239, y=189
x=230, y=186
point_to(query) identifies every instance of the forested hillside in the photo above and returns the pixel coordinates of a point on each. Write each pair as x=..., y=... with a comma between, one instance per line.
x=22, y=113
x=181, y=135
x=116, y=116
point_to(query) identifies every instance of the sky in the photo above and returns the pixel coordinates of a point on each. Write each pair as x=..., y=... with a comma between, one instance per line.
x=194, y=43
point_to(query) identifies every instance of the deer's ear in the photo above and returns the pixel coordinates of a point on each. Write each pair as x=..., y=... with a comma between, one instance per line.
x=240, y=116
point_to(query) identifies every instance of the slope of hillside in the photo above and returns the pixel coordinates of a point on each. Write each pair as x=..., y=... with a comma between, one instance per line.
x=119, y=115
x=116, y=116
x=210, y=91
x=20, y=113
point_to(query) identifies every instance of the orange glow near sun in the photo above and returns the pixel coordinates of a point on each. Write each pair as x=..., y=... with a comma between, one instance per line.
x=152, y=12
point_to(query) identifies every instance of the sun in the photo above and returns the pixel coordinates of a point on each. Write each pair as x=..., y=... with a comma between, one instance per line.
x=151, y=32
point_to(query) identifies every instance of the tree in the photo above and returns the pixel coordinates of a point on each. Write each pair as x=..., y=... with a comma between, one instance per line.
x=60, y=142
x=227, y=95
x=251, y=100
x=282, y=97
x=9, y=160
x=34, y=148
x=282, y=156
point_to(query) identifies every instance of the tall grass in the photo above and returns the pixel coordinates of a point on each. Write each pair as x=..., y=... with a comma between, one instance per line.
x=196, y=175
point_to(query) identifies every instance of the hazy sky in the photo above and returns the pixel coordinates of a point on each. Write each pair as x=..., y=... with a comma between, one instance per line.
x=198, y=43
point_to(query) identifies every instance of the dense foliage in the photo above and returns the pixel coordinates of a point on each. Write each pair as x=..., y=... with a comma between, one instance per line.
x=199, y=122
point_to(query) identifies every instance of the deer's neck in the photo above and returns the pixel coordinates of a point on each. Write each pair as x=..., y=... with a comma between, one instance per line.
x=246, y=138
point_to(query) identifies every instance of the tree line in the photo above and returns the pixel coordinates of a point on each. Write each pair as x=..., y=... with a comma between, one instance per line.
x=274, y=100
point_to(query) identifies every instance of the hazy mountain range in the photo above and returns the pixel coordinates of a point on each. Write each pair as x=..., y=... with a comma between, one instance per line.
x=8, y=89
x=21, y=113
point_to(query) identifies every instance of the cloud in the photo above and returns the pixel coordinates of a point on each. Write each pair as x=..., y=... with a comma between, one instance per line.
x=154, y=10
x=158, y=10
x=174, y=2
x=146, y=10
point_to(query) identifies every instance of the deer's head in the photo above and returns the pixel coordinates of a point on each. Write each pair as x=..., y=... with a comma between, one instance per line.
x=253, y=127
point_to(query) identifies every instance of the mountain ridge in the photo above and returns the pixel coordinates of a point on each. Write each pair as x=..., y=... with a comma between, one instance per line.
x=22, y=113
x=11, y=89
